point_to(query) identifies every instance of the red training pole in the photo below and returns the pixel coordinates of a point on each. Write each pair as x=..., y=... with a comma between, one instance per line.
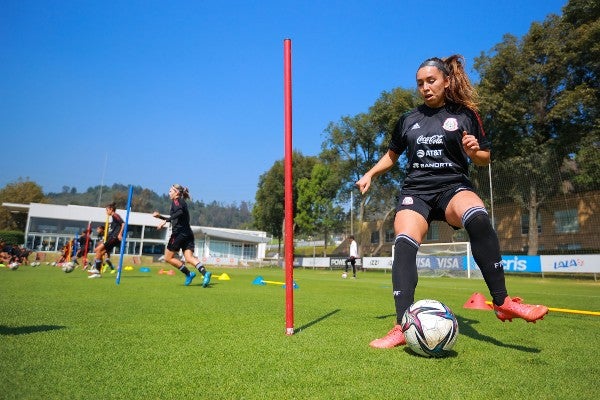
x=288, y=203
x=87, y=242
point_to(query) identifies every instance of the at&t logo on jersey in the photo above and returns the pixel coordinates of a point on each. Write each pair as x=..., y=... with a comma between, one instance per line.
x=429, y=153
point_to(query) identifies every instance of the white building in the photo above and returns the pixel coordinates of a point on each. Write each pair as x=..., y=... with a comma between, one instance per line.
x=50, y=226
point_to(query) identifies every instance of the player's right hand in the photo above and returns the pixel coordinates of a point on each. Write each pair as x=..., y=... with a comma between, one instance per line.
x=364, y=184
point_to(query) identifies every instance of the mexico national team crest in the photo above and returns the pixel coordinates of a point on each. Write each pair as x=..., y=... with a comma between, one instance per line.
x=450, y=124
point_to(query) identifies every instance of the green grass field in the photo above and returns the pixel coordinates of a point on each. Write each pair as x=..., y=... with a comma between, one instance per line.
x=63, y=336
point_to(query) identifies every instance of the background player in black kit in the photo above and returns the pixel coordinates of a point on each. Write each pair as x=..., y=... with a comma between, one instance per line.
x=113, y=239
x=439, y=138
x=182, y=237
x=82, y=242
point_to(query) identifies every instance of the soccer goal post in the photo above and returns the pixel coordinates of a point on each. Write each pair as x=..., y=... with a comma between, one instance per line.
x=447, y=259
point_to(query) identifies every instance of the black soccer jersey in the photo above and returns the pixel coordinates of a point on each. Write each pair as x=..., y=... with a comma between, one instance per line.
x=432, y=139
x=179, y=216
x=115, y=226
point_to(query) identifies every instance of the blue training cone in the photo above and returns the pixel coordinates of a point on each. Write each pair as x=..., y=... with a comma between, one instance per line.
x=295, y=285
x=259, y=281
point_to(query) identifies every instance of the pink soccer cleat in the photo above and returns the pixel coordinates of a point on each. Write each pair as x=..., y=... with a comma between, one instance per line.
x=394, y=338
x=514, y=308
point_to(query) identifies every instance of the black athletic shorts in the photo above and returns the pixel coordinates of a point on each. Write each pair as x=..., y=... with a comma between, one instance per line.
x=431, y=206
x=181, y=242
x=111, y=243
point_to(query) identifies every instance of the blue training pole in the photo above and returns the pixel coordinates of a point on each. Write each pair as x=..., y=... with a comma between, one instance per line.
x=124, y=240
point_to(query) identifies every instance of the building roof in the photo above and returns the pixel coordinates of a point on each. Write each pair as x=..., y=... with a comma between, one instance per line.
x=98, y=214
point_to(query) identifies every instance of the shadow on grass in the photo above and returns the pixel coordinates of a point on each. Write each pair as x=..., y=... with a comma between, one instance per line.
x=25, y=330
x=465, y=326
x=315, y=321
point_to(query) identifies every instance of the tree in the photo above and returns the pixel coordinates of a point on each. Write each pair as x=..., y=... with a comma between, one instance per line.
x=268, y=210
x=22, y=191
x=581, y=19
x=316, y=210
x=146, y=200
x=535, y=112
x=355, y=144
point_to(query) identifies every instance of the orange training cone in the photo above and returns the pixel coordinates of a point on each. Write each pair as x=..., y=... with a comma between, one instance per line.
x=477, y=302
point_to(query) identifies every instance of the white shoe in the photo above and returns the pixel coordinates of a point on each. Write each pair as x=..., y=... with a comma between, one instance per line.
x=93, y=271
x=93, y=276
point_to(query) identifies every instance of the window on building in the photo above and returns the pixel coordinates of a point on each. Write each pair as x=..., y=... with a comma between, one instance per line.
x=134, y=231
x=237, y=249
x=219, y=248
x=150, y=232
x=525, y=223
x=43, y=225
x=390, y=236
x=570, y=246
x=374, y=237
x=566, y=221
x=250, y=251
x=153, y=248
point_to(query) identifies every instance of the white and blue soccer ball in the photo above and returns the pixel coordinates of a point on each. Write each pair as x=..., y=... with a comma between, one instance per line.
x=68, y=267
x=430, y=328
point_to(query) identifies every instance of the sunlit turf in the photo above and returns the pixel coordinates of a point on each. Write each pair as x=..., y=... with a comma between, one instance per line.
x=151, y=337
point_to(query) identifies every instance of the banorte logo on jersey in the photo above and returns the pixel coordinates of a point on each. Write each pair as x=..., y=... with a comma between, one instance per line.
x=450, y=124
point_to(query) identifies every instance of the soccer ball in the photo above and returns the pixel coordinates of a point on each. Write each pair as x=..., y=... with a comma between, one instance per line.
x=430, y=328
x=68, y=267
x=14, y=266
x=344, y=275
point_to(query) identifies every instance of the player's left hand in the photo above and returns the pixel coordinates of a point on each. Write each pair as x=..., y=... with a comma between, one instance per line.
x=470, y=143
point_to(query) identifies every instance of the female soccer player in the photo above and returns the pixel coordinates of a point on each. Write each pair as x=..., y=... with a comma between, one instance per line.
x=439, y=138
x=113, y=239
x=182, y=237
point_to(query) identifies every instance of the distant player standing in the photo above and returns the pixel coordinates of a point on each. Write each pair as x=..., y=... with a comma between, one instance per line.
x=352, y=256
x=182, y=237
x=439, y=138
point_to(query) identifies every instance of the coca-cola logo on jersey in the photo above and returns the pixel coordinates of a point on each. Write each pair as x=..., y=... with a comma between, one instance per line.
x=435, y=139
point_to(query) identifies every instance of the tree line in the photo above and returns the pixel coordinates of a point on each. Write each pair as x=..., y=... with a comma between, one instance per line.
x=212, y=214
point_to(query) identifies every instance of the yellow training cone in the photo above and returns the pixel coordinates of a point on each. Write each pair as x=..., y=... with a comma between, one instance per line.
x=224, y=277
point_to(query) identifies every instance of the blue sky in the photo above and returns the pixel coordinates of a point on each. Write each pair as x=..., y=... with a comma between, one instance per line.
x=153, y=93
